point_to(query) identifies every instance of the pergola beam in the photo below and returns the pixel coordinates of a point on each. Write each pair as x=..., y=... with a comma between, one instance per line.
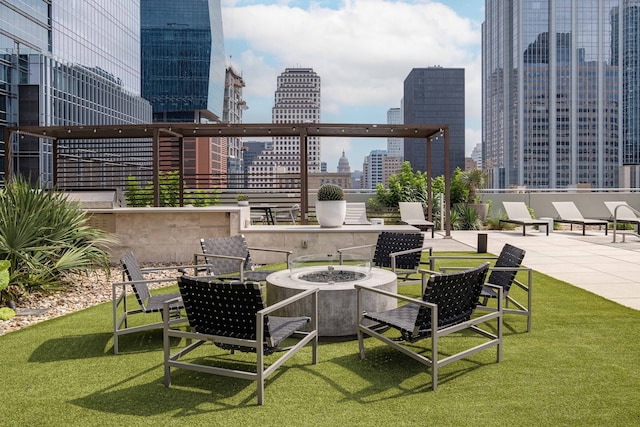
x=302, y=131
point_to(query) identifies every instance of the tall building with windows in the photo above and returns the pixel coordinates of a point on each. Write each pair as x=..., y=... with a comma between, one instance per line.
x=184, y=75
x=560, y=91
x=183, y=59
x=234, y=106
x=297, y=100
x=395, y=146
x=435, y=95
x=68, y=63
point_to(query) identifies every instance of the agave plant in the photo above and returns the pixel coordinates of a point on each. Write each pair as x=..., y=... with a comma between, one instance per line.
x=44, y=237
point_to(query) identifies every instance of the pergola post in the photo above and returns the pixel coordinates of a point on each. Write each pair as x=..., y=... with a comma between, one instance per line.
x=447, y=185
x=156, y=166
x=304, y=179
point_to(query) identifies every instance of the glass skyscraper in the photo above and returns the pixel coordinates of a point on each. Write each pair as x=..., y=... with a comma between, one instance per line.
x=67, y=62
x=183, y=59
x=435, y=95
x=560, y=93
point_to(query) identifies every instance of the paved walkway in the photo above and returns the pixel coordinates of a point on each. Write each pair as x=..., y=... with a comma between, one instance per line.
x=592, y=262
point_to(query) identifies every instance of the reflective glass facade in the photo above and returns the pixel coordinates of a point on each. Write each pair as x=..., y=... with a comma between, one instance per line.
x=183, y=59
x=554, y=96
x=67, y=62
x=435, y=95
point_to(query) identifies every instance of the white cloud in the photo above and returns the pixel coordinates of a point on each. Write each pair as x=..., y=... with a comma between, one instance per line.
x=362, y=50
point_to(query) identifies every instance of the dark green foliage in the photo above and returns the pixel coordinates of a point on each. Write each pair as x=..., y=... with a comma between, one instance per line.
x=44, y=237
x=406, y=186
x=138, y=195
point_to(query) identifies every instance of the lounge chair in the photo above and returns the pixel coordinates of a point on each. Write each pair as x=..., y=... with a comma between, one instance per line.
x=412, y=213
x=356, y=214
x=137, y=280
x=568, y=213
x=287, y=214
x=447, y=306
x=232, y=315
x=517, y=213
x=230, y=258
x=622, y=213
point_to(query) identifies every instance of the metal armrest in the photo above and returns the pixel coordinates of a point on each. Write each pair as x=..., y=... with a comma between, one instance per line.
x=433, y=258
x=287, y=301
x=393, y=255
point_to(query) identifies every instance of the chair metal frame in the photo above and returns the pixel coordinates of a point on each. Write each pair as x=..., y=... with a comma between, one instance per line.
x=226, y=266
x=520, y=308
x=517, y=213
x=471, y=281
x=133, y=279
x=402, y=262
x=261, y=345
x=412, y=213
x=568, y=213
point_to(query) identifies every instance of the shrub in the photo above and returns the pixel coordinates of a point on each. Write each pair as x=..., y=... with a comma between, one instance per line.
x=44, y=237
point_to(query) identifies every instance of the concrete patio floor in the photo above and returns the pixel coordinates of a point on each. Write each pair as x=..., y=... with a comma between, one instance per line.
x=592, y=262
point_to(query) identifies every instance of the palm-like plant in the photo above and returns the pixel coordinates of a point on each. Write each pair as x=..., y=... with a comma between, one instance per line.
x=45, y=237
x=474, y=179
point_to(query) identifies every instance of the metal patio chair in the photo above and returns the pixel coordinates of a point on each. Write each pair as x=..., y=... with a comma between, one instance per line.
x=135, y=279
x=230, y=258
x=412, y=213
x=446, y=307
x=233, y=316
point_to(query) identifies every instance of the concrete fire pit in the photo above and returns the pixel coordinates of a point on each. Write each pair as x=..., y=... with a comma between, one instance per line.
x=337, y=316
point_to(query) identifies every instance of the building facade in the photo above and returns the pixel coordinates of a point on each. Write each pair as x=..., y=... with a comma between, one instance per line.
x=57, y=69
x=395, y=146
x=183, y=59
x=234, y=106
x=435, y=95
x=560, y=93
x=184, y=76
x=297, y=100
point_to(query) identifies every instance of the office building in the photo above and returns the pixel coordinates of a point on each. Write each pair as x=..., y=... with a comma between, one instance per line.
x=234, y=106
x=435, y=95
x=183, y=59
x=373, y=167
x=184, y=76
x=297, y=100
x=68, y=63
x=476, y=155
x=395, y=146
x=560, y=91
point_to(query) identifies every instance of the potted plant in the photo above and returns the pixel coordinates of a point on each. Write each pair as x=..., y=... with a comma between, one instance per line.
x=242, y=200
x=474, y=179
x=331, y=207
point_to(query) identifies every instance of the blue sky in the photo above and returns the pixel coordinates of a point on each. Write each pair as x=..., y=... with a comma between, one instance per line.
x=362, y=50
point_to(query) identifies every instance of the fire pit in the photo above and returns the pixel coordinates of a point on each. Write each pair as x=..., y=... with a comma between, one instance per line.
x=337, y=305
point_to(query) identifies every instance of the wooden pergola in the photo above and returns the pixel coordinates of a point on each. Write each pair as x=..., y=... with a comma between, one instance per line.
x=303, y=131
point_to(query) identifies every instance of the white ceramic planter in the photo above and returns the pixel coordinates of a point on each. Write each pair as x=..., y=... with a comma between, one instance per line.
x=331, y=213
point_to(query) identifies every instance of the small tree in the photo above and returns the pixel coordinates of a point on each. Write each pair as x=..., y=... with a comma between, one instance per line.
x=474, y=179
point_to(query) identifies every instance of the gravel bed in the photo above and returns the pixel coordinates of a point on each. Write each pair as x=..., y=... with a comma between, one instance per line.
x=86, y=291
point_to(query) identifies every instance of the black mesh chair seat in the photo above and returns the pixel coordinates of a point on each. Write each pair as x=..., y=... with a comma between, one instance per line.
x=230, y=258
x=228, y=309
x=228, y=314
x=154, y=303
x=447, y=306
x=400, y=252
x=504, y=275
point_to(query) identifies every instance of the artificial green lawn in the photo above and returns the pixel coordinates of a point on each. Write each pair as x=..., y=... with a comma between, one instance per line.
x=580, y=366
